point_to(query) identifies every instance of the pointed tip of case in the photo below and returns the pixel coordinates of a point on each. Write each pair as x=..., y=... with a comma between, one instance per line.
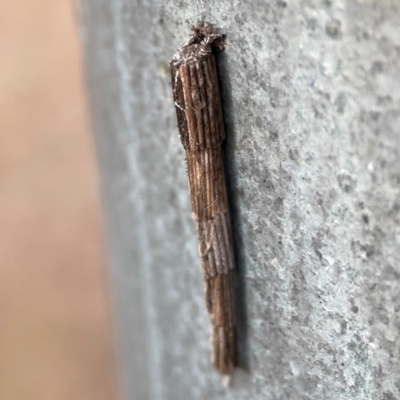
x=226, y=380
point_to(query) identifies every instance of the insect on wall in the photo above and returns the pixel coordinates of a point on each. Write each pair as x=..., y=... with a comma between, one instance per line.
x=201, y=128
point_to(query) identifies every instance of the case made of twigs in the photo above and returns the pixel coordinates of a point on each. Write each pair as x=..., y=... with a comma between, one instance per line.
x=201, y=128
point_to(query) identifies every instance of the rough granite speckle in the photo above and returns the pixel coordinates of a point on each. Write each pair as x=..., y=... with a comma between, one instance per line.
x=311, y=97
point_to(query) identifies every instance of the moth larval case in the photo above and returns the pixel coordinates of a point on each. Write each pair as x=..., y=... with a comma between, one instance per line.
x=201, y=128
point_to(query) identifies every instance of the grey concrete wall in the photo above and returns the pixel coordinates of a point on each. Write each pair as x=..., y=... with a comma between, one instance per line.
x=311, y=96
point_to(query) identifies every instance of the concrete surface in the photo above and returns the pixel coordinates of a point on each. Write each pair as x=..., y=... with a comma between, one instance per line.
x=311, y=95
x=55, y=328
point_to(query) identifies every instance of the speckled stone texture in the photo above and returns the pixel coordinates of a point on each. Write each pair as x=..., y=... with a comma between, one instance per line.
x=311, y=97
